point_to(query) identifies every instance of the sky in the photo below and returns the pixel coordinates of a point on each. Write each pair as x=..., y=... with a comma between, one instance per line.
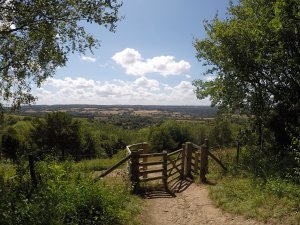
x=149, y=60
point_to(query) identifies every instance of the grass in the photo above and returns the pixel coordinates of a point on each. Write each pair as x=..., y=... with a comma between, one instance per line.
x=7, y=170
x=275, y=200
x=241, y=196
x=91, y=165
x=121, y=186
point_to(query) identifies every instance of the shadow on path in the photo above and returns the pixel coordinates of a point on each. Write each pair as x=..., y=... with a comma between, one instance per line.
x=180, y=185
x=177, y=186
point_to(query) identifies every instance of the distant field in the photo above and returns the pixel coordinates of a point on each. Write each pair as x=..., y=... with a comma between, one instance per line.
x=174, y=112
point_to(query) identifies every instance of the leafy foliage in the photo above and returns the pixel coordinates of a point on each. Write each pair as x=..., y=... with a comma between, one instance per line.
x=16, y=139
x=254, y=56
x=108, y=138
x=58, y=133
x=64, y=196
x=170, y=135
x=10, y=143
x=37, y=36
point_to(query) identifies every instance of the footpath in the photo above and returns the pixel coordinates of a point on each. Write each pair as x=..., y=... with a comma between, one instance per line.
x=190, y=207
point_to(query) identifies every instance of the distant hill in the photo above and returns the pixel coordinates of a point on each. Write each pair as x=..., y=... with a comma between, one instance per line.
x=180, y=112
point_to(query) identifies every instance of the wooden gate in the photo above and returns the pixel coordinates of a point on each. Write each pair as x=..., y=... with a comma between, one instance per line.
x=188, y=162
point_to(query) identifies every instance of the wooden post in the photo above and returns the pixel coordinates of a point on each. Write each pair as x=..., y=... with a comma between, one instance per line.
x=238, y=152
x=189, y=151
x=135, y=180
x=32, y=171
x=145, y=159
x=196, y=169
x=165, y=168
x=128, y=153
x=183, y=162
x=204, y=162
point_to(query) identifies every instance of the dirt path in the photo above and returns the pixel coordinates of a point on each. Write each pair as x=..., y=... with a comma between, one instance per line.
x=189, y=207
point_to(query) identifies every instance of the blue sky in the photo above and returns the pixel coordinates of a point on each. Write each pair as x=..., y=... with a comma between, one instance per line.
x=150, y=59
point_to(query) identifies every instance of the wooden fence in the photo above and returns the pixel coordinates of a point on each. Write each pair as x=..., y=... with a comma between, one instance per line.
x=188, y=162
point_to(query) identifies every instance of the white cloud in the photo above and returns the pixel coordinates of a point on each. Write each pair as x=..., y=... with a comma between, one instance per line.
x=88, y=58
x=187, y=76
x=68, y=82
x=131, y=60
x=126, y=57
x=140, y=91
x=143, y=82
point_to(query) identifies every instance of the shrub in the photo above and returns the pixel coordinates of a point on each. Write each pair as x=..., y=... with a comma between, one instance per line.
x=63, y=196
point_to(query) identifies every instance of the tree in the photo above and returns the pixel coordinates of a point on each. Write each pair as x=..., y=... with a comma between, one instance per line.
x=220, y=134
x=160, y=139
x=169, y=136
x=37, y=36
x=10, y=143
x=254, y=55
x=15, y=140
x=58, y=133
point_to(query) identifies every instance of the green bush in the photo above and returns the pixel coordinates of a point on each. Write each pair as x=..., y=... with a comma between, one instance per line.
x=64, y=196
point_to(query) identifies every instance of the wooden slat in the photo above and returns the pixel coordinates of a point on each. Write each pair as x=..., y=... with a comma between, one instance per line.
x=150, y=163
x=174, y=178
x=194, y=149
x=177, y=165
x=175, y=152
x=135, y=180
x=183, y=161
x=196, y=166
x=178, y=158
x=171, y=174
x=151, y=171
x=165, y=173
x=196, y=146
x=174, y=161
x=151, y=154
x=145, y=159
x=196, y=172
x=193, y=161
x=193, y=165
x=152, y=178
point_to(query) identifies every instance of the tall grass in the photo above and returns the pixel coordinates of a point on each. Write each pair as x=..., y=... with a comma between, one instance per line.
x=238, y=191
x=242, y=196
x=91, y=165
